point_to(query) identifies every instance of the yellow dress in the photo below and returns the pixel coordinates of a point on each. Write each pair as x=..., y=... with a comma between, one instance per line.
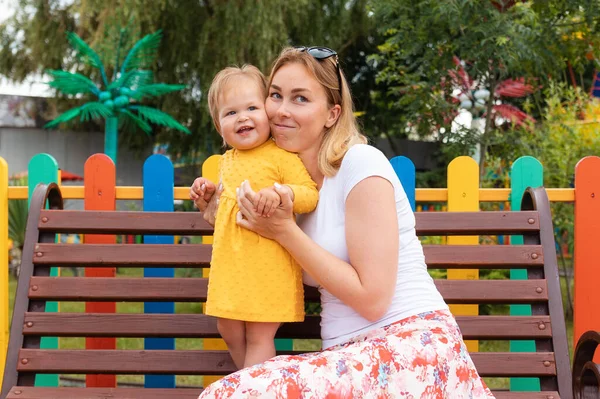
x=253, y=278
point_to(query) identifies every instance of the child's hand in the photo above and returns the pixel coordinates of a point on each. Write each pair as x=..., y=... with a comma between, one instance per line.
x=268, y=201
x=201, y=192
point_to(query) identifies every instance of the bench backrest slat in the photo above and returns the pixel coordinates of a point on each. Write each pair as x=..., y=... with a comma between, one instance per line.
x=133, y=222
x=199, y=362
x=198, y=255
x=187, y=223
x=202, y=326
x=480, y=223
x=194, y=290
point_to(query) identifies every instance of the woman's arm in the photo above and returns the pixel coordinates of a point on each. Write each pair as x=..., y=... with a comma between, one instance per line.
x=366, y=284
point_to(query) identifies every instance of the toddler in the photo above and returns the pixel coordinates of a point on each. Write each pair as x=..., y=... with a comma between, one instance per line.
x=254, y=284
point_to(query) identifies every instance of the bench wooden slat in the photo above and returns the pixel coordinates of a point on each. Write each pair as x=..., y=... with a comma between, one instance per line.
x=483, y=256
x=200, y=362
x=192, y=223
x=202, y=326
x=194, y=290
x=136, y=255
x=123, y=222
x=198, y=255
x=180, y=393
x=476, y=223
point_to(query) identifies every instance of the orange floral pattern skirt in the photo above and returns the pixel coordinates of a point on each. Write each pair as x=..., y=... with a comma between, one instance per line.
x=422, y=356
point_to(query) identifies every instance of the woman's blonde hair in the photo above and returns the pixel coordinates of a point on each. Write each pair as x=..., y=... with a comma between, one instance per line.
x=344, y=133
x=222, y=80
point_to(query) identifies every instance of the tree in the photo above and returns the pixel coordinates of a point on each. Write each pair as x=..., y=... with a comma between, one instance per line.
x=497, y=40
x=200, y=38
x=116, y=103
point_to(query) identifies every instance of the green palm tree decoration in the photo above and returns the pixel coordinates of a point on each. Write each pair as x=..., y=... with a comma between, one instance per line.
x=119, y=100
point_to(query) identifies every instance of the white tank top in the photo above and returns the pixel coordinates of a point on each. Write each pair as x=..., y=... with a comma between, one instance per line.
x=415, y=291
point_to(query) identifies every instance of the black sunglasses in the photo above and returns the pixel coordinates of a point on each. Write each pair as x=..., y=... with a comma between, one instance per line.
x=322, y=53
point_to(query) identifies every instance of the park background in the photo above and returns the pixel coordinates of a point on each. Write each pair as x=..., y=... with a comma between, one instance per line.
x=431, y=80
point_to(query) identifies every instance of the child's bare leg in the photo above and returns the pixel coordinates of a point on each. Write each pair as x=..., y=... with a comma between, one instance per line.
x=260, y=344
x=233, y=333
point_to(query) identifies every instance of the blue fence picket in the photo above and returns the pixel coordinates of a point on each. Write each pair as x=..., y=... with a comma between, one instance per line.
x=405, y=169
x=158, y=180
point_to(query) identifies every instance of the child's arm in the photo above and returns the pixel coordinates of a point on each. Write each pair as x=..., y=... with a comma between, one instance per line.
x=268, y=201
x=304, y=191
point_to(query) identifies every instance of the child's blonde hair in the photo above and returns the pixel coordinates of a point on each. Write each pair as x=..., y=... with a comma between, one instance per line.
x=344, y=133
x=224, y=78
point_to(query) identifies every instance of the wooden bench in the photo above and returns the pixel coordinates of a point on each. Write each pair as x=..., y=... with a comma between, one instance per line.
x=25, y=359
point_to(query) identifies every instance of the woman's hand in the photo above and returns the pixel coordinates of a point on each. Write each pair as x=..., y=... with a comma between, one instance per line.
x=206, y=198
x=273, y=227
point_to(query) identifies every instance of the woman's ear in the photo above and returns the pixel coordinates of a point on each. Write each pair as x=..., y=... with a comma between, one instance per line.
x=334, y=114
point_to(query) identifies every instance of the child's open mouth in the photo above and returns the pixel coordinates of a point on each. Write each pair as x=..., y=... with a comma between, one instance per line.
x=244, y=129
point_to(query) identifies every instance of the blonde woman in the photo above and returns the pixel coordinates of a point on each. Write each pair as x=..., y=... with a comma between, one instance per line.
x=386, y=330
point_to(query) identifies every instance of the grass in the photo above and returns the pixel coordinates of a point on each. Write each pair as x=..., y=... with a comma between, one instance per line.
x=184, y=343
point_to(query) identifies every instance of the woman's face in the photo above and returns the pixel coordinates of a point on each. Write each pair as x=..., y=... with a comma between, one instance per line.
x=297, y=109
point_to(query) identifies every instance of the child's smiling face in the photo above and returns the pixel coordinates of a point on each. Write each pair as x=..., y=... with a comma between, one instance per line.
x=242, y=117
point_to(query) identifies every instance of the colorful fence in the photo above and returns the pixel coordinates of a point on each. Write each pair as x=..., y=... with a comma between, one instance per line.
x=463, y=193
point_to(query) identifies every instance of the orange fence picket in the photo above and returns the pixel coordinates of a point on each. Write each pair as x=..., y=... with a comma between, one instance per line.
x=100, y=195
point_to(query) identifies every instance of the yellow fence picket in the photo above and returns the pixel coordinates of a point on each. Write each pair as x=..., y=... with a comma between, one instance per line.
x=463, y=195
x=3, y=263
x=210, y=170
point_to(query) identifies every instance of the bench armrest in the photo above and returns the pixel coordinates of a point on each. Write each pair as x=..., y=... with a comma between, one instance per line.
x=586, y=373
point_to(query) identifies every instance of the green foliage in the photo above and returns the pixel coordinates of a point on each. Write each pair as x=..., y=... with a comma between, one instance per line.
x=529, y=39
x=17, y=216
x=86, y=54
x=72, y=83
x=128, y=120
x=567, y=133
x=143, y=54
x=17, y=221
x=199, y=39
x=91, y=110
x=132, y=84
x=159, y=118
x=155, y=90
x=63, y=118
x=94, y=110
x=132, y=79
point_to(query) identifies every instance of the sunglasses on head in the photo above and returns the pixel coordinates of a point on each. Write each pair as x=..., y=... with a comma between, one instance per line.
x=322, y=53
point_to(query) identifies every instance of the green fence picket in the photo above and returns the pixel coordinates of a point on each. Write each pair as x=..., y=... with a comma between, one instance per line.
x=43, y=168
x=525, y=172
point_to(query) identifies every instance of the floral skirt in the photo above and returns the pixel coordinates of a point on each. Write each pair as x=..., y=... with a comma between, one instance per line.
x=422, y=356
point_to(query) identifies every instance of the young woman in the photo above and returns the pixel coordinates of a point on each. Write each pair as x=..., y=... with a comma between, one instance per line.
x=386, y=330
